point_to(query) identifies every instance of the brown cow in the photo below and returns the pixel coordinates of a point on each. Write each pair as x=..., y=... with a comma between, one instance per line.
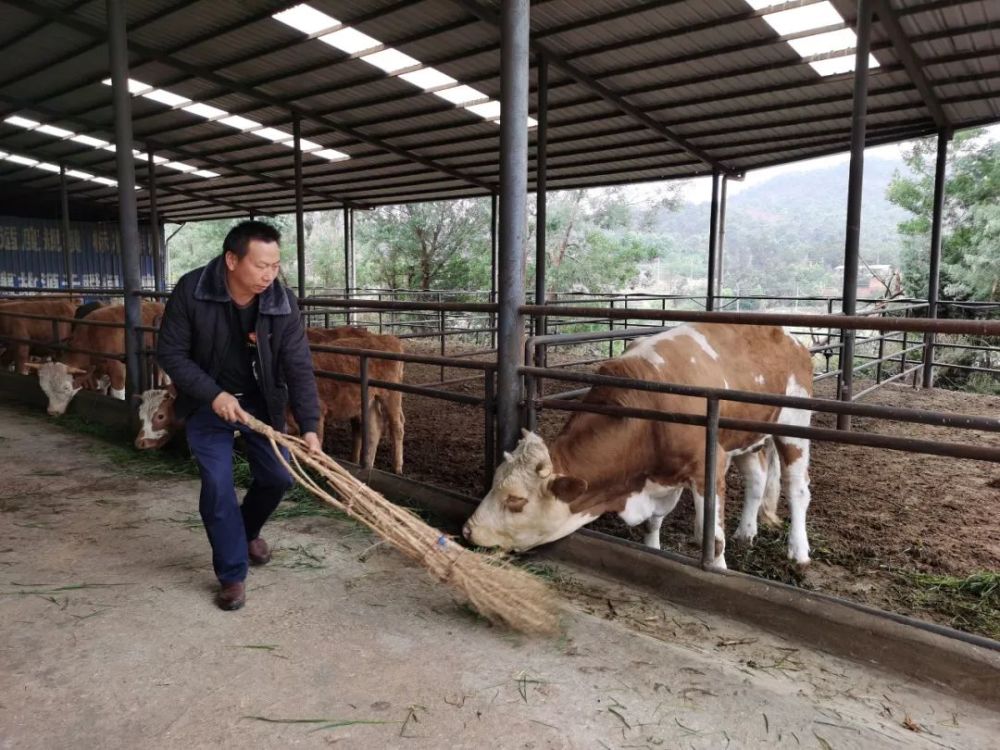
x=636, y=468
x=40, y=332
x=341, y=401
x=62, y=380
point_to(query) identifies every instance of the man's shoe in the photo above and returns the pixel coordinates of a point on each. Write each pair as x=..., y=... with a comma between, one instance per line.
x=258, y=552
x=232, y=596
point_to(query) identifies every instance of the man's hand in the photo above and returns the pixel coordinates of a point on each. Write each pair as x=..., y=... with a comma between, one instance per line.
x=312, y=440
x=228, y=408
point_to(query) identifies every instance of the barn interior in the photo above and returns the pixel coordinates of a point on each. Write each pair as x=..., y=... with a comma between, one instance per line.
x=118, y=118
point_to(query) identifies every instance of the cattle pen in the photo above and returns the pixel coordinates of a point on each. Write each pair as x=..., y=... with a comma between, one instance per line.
x=120, y=117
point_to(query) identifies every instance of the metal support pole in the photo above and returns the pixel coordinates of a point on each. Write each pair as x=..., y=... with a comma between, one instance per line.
x=709, y=510
x=541, y=179
x=493, y=268
x=159, y=283
x=64, y=227
x=713, y=242
x=721, y=250
x=934, y=277
x=347, y=259
x=489, y=420
x=854, y=184
x=513, y=212
x=354, y=268
x=127, y=212
x=300, y=228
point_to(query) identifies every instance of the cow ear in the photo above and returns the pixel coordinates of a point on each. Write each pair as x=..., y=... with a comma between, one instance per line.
x=171, y=390
x=568, y=489
x=543, y=469
x=33, y=365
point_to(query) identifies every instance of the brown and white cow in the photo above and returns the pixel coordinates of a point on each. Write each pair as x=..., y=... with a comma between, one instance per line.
x=341, y=401
x=62, y=380
x=40, y=332
x=637, y=468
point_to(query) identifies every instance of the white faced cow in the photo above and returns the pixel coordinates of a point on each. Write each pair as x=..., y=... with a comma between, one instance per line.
x=61, y=381
x=638, y=468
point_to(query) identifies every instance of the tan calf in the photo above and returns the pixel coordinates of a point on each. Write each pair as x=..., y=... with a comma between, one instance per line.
x=340, y=401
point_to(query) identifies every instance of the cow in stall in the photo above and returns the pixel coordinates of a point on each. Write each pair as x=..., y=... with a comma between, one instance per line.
x=15, y=331
x=341, y=401
x=62, y=380
x=638, y=468
x=338, y=400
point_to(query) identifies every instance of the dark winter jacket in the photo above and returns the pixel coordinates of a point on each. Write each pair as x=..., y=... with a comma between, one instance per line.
x=194, y=338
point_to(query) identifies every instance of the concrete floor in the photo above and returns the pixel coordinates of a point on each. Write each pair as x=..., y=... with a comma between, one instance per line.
x=109, y=639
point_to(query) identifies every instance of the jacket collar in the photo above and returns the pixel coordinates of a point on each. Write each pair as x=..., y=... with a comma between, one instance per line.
x=211, y=287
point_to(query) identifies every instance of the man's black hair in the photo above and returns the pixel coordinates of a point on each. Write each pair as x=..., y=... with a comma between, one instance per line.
x=238, y=240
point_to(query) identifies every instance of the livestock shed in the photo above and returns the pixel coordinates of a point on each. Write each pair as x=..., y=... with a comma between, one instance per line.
x=152, y=111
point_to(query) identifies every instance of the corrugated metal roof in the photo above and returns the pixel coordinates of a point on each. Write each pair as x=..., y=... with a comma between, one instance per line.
x=712, y=71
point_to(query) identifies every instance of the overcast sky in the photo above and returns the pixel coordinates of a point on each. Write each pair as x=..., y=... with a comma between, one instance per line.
x=699, y=190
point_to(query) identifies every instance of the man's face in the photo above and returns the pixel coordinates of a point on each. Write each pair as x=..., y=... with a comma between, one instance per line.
x=254, y=272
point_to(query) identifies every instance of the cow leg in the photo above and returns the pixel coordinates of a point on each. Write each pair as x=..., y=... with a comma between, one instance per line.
x=663, y=505
x=116, y=371
x=754, y=480
x=397, y=428
x=795, y=477
x=356, y=440
x=375, y=417
x=698, y=491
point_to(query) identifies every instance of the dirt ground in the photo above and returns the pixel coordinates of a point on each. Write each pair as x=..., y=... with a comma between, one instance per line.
x=109, y=638
x=879, y=521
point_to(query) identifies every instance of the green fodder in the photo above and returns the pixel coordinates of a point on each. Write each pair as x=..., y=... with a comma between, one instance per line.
x=971, y=604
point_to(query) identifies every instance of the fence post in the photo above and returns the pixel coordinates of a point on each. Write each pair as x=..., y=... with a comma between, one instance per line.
x=711, y=451
x=365, y=437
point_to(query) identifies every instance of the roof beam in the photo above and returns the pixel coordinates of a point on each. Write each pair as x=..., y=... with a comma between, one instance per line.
x=160, y=188
x=912, y=64
x=234, y=86
x=182, y=152
x=67, y=56
x=491, y=17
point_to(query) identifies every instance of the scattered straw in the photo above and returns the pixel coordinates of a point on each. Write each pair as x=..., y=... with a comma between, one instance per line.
x=497, y=590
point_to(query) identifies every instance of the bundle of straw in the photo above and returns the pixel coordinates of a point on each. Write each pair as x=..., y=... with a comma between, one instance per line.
x=497, y=590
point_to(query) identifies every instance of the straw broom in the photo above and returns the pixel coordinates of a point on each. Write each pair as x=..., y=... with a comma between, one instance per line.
x=497, y=590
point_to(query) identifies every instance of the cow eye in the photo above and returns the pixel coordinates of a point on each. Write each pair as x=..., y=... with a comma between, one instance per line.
x=158, y=418
x=515, y=504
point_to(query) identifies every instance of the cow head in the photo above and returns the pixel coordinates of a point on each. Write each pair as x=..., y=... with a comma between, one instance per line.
x=60, y=383
x=528, y=504
x=157, y=418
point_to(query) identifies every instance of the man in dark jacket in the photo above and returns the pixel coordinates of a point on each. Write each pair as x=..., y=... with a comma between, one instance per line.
x=232, y=342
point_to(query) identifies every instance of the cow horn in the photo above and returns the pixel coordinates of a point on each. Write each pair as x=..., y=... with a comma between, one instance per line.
x=75, y=371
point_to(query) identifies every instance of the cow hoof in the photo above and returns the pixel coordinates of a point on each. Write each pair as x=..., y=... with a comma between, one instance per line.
x=745, y=536
x=719, y=563
x=802, y=561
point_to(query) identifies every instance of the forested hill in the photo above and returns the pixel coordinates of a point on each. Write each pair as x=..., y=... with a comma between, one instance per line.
x=793, y=220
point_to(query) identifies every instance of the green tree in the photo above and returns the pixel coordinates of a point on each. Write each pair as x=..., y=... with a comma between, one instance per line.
x=439, y=245
x=597, y=240
x=970, y=232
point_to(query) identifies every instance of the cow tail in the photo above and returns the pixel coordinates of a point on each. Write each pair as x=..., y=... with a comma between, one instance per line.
x=772, y=486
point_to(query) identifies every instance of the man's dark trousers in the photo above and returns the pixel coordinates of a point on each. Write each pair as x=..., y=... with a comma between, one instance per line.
x=229, y=525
